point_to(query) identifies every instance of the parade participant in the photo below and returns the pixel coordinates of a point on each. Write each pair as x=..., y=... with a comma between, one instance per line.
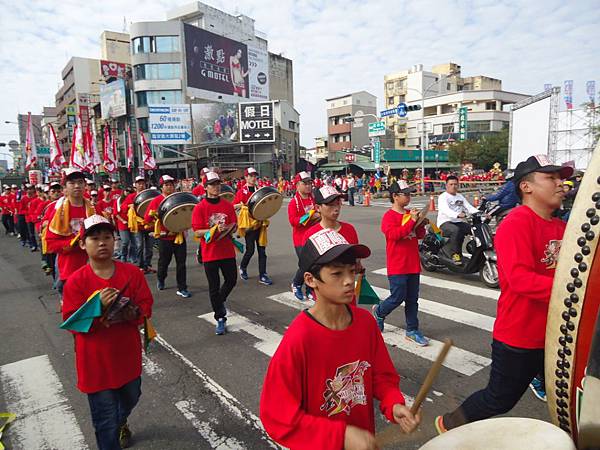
x=403, y=263
x=94, y=198
x=64, y=223
x=104, y=206
x=301, y=204
x=218, y=253
x=89, y=187
x=527, y=244
x=37, y=211
x=332, y=362
x=252, y=235
x=453, y=208
x=128, y=251
x=199, y=190
x=21, y=202
x=108, y=358
x=30, y=210
x=115, y=189
x=142, y=234
x=6, y=206
x=167, y=247
x=54, y=193
x=506, y=197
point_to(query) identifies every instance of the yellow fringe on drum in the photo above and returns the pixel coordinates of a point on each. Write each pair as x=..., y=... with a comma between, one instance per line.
x=132, y=220
x=156, y=224
x=262, y=237
x=43, y=239
x=179, y=238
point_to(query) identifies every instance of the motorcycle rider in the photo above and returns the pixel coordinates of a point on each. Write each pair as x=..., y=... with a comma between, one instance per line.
x=506, y=197
x=453, y=208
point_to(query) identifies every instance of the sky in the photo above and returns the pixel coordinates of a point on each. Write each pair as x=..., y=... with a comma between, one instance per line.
x=337, y=46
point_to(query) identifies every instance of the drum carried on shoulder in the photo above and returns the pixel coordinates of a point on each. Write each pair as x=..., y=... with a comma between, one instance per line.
x=265, y=203
x=143, y=199
x=175, y=211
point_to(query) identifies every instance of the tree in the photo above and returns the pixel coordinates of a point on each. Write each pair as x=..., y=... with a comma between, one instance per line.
x=463, y=151
x=483, y=153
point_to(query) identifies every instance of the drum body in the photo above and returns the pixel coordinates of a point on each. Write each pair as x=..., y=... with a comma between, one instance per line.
x=574, y=304
x=143, y=199
x=175, y=211
x=227, y=193
x=501, y=434
x=265, y=203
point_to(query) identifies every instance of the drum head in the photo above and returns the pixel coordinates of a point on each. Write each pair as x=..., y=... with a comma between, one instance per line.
x=227, y=193
x=175, y=211
x=143, y=199
x=265, y=203
x=574, y=304
x=502, y=434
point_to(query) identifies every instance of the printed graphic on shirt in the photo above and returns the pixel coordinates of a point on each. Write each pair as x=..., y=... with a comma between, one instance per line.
x=76, y=225
x=346, y=389
x=551, y=253
x=217, y=218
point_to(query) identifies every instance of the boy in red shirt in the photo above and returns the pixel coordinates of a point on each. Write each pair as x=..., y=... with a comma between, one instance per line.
x=332, y=362
x=403, y=263
x=301, y=204
x=219, y=252
x=527, y=244
x=109, y=356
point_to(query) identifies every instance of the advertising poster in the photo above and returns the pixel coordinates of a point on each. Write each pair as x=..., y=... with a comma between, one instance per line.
x=170, y=124
x=257, y=123
x=215, y=63
x=113, y=99
x=215, y=123
x=111, y=69
x=258, y=60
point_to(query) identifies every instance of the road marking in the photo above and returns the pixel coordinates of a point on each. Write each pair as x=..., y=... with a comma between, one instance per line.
x=228, y=400
x=45, y=420
x=453, y=286
x=448, y=312
x=459, y=360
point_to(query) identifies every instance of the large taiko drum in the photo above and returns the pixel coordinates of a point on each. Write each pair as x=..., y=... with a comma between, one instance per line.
x=265, y=203
x=574, y=304
x=143, y=199
x=175, y=211
x=227, y=193
x=504, y=433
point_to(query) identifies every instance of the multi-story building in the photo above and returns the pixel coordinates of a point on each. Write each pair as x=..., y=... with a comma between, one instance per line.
x=442, y=92
x=343, y=135
x=115, y=47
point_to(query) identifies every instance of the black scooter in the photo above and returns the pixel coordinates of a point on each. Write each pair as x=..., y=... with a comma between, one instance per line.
x=479, y=244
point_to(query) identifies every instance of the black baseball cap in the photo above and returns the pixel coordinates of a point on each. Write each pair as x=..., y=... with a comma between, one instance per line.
x=401, y=187
x=326, y=246
x=540, y=163
x=325, y=194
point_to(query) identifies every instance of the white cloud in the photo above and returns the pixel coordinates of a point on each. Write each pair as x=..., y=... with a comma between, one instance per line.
x=338, y=46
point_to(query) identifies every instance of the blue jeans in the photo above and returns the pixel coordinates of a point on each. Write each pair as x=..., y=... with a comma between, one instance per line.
x=128, y=248
x=144, y=242
x=403, y=288
x=110, y=409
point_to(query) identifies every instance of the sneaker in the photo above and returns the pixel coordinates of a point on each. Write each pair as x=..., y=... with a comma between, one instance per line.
x=124, y=436
x=160, y=285
x=438, y=423
x=184, y=293
x=417, y=338
x=34, y=249
x=297, y=291
x=243, y=274
x=538, y=389
x=377, y=318
x=264, y=279
x=221, y=328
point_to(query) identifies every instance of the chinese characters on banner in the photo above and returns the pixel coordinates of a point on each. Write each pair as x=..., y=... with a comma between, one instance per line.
x=569, y=93
x=256, y=122
x=462, y=123
x=591, y=91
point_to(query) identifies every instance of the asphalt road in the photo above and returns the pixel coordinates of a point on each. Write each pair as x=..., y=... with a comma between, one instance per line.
x=203, y=391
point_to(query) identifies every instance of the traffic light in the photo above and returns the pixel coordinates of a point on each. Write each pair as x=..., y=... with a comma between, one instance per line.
x=413, y=108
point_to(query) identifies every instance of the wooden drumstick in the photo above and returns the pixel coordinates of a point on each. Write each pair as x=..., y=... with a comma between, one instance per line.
x=391, y=434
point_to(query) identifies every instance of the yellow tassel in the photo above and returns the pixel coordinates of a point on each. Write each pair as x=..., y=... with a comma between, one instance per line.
x=43, y=239
x=74, y=240
x=406, y=218
x=179, y=238
x=132, y=222
x=156, y=224
x=262, y=236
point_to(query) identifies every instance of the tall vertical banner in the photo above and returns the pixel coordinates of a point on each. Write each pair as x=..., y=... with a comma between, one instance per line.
x=591, y=91
x=57, y=160
x=569, y=93
x=462, y=123
x=30, y=147
x=130, y=158
x=110, y=162
x=94, y=157
x=258, y=64
x=78, y=159
x=149, y=162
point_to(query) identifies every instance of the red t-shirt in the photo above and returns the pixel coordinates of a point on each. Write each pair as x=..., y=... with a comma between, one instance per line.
x=321, y=380
x=346, y=230
x=401, y=243
x=115, y=193
x=153, y=206
x=23, y=204
x=121, y=208
x=297, y=207
x=70, y=258
x=108, y=358
x=39, y=213
x=204, y=216
x=104, y=207
x=527, y=247
x=199, y=191
x=32, y=207
x=243, y=194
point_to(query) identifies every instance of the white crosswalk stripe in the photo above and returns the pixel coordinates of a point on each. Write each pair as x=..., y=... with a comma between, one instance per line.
x=45, y=420
x=459, y=360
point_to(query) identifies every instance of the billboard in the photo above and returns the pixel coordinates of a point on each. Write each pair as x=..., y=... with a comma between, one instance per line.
x=113, y=99
x=257, y=123
x=258, y=62
x=111, y=69
x=215, y=123
x=170, y=124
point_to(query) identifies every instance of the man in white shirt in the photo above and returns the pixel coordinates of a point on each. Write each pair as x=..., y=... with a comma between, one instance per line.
x=351, y=189
x=452, y=209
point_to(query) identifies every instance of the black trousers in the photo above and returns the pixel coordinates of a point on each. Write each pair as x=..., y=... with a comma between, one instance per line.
x=251, y=243
x=218, y=293
x=31, y=233
x=511, y=372
x=166, y=250
x=8, y=222
x=456, y=232
x=22, y=227
x=299, y=276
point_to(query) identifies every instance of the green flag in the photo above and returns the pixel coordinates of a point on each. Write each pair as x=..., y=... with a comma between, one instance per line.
x=81, y=320
x=364, y=292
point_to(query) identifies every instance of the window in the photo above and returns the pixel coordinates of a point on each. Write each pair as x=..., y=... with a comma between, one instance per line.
x=448, y=86
x=448, y=128
x=166, y=44
x=157, y=71
x=142, y=45
x=291, y=125
x=490, y=106
x=390, y=100
x=479, y=125
x=145, y=98
x=143, y=124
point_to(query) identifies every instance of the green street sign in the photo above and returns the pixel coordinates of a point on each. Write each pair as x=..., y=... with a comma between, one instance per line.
x=376, y=129
x=43, y=151
x=377, y=152
x=462, y=123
